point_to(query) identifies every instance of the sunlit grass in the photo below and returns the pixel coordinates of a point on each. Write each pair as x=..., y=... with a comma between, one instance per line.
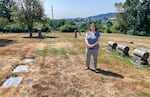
x=59, y=51
x=53, y=51
x=145, y=94
x=106, y=56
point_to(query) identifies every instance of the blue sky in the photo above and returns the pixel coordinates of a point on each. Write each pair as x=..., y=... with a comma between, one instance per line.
x=78, y=8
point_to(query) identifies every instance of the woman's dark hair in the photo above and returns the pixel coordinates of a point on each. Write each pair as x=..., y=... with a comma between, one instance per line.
x=93, y=25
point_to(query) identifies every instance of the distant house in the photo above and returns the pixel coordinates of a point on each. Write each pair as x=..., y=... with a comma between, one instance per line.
x=113, y=19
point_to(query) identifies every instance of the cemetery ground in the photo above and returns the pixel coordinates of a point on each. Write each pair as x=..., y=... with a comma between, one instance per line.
x=59, y=62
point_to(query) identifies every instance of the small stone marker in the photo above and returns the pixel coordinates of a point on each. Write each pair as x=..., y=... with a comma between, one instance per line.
x=27, y=60
x=39, y=33
x=12, y=82
x=21, y=68
x=75, y=33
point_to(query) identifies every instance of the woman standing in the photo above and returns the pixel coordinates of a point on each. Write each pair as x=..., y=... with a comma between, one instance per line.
x=92, y=46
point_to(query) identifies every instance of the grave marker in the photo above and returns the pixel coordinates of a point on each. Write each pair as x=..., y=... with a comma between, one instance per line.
x=112, y=45
x=123, y=50
x=140, y=57
x=21, y=68
x=12, y=82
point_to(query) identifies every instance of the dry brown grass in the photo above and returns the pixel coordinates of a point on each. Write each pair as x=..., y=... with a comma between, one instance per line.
x=58, y=75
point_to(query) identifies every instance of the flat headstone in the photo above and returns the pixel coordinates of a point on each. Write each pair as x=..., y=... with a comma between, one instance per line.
x=27, y=60
x=21, y=68
x=12, y=82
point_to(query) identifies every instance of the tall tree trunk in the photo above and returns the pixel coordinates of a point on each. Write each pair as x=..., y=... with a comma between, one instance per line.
x=30, y=28
x=30, y=31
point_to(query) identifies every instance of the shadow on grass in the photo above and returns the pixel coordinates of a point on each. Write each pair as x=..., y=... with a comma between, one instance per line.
x=5, y=42
x=107, y=73
x=44, y=37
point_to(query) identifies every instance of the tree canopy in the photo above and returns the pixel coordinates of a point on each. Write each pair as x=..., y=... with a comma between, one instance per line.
x=135, y=19
x=29, y=12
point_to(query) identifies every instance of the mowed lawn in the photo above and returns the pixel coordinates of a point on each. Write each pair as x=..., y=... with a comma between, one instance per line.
x=58, y=68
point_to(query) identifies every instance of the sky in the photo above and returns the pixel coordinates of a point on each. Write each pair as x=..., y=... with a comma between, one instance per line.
x=78, y=8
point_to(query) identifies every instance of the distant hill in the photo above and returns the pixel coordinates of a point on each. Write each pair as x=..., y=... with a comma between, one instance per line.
x=102, y=16
x=97, y=17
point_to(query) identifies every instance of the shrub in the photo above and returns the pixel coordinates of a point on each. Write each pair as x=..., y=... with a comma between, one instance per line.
x=83, y=27
x=139, y=33
x=115, y=28
x=14, y=28
x=108, y=30
x=68, y=28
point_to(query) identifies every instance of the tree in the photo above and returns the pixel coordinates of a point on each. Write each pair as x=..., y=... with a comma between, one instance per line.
x=70, y=22
x=83, y=27
x=29, y=12
x=3, y=23
x=138, y=13
x=145, y=15
x=121, y=23
x=135, y=18
x=45, y=24
x=5, y=8
x=69, y=26
x=5, y=13
x=56, y=24
x=131, y=11
x=108, y=26
x=119, y=7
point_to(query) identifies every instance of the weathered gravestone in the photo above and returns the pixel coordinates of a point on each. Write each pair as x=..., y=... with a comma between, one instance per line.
x=28, y=60
x=123, y=50
x=39, y=33
x=12, y=82
x=112, y=45
x=140, y=57
x=21, y=68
